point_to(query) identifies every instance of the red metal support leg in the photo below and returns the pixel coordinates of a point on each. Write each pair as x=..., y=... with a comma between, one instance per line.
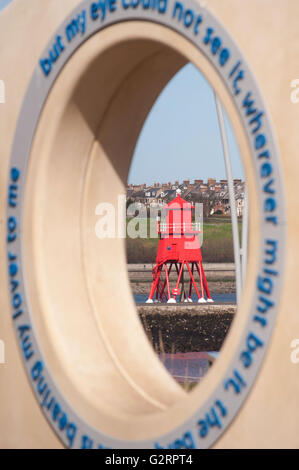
x=154, y=285
x=205, y=283
x=167, y=282
x=199, y=269
x=191, y=284
x=179, y=278
x=193, y=281
x=158, y=285
x=162, y=290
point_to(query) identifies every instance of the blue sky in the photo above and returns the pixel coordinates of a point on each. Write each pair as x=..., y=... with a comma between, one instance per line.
x=3, y=3
x=180, y=139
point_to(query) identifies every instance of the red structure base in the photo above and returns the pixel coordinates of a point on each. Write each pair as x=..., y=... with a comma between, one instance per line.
x=161, y=289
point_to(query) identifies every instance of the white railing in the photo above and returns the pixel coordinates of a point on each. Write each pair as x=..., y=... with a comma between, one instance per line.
x=184, y=227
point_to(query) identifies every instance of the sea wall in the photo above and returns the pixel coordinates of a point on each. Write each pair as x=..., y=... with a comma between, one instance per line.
x=186, y=328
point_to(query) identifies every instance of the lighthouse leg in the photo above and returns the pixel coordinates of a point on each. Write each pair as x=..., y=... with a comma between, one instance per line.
x=157, y=290
x=162, y=290
x=190, y=285
x=199, y=269
x=193, y=281
x=206, y=284
x=167, y=281
x=153, y=288
x=173, y=299
x=160, y=286
x=182, y=293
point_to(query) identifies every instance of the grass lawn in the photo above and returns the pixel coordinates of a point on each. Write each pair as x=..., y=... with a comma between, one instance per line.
x=217, y=242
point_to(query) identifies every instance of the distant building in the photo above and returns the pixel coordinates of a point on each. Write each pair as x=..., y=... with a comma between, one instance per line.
x=204, y=188
x=211, y=182
x=213, y=194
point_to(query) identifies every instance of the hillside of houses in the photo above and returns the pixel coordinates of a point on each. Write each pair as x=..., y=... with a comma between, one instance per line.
x=212, y=194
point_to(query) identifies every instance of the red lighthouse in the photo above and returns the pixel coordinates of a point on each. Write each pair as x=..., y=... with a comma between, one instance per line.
x=178, y=251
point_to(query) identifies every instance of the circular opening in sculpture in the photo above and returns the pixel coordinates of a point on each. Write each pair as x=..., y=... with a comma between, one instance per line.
x=77, y=282
x=182, y=235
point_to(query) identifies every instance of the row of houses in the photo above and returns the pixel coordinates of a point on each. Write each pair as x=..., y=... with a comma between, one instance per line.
x=213, y=194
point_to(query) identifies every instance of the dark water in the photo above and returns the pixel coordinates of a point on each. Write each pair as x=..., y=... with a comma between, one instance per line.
x=188, y=367
x=191, y=367
x=231, y=298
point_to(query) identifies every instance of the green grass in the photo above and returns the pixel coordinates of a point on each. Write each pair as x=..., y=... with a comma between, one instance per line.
x=218, y=231
x=217, y=243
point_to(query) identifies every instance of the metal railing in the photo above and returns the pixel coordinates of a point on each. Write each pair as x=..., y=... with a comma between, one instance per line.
x=184, y=227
